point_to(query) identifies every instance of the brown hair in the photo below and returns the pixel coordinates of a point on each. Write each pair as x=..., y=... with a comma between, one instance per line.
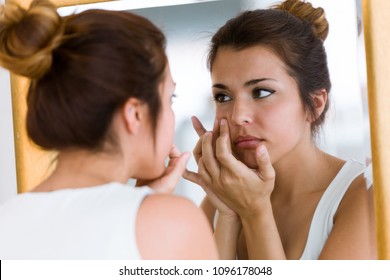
x=293, y=30
x=83, y=67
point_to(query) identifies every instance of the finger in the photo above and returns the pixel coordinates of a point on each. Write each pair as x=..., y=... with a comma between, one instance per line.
x=197, y=179
x=216, y=126
x=225, y=133
x=266, y=170
x=178, y=165
x=223, y=147
x=204, y=174
x=201, y=178
x=192, y=177
x=176, y=168
x=174, y=152
x=197, y=152
x=215, y=132
x=208, y=157
x=198, y=126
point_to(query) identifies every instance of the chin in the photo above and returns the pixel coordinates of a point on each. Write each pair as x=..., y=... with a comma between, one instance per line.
x=251, y=164
x=249, y=160
x=159, y=170
x=153, y=173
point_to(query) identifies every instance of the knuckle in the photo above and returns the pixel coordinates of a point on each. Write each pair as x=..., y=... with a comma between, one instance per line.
x=221, y=155
x=226, y=180
x=270, y=175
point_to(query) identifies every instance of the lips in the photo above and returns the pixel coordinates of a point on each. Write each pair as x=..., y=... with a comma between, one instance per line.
x=247, y=142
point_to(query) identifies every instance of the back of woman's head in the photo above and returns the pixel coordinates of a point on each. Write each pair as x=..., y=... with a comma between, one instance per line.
x=82, y=67
x=295, y=31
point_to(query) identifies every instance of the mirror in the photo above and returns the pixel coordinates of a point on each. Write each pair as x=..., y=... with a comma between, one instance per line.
x=189, y=26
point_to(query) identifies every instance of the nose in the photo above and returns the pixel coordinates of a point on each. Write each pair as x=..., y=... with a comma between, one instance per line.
x=242, y=113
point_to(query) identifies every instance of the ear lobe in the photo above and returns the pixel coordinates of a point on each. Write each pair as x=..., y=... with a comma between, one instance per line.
x=319, y=100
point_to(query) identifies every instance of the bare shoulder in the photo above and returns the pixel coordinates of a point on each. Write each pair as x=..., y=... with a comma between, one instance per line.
x=357, y=196
x=172, y=227
x=353, y=233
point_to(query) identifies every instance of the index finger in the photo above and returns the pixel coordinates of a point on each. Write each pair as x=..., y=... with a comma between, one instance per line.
x=223, y=148
x=198, y=126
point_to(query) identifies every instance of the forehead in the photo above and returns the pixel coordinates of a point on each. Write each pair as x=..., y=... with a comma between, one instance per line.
x=251, y=62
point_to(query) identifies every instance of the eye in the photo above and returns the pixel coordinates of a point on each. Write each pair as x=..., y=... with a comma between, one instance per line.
x=173, y=98
x=262, y=93
x=221, y=98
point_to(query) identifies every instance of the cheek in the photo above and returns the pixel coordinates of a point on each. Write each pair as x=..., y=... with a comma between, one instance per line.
x=171, y=127
x=167, y=131
x=222, y=113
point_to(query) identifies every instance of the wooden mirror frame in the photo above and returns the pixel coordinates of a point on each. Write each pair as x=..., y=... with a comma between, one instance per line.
x=33, y=164
x=377, y=40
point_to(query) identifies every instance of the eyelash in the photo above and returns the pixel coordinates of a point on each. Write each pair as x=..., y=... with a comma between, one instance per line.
x=217, y=97
x=259, y=90
x=255, y=94
x=173, y=98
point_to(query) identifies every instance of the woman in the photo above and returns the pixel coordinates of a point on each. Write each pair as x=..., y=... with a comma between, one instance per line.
x=100, y=95
x=278, y=196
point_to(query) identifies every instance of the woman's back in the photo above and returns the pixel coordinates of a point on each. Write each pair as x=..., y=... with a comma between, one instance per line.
x=102, y=222
x=85, y=223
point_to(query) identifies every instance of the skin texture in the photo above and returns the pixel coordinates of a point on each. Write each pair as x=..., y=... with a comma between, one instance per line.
x=261, y=170
x=167, y=225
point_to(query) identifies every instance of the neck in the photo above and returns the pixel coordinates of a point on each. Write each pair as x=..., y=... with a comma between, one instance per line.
x=305, y=170
x=81, y=168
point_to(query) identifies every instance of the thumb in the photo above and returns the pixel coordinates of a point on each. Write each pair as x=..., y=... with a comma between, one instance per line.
x=266, y=170
x=179, y=164
x=176, y=168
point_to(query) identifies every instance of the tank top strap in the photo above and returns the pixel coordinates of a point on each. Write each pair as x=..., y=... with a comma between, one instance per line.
x=322, y=222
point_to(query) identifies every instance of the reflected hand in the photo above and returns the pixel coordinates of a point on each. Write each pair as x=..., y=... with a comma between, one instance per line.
x=201, y=178
x=166, y=183
x=241, y=188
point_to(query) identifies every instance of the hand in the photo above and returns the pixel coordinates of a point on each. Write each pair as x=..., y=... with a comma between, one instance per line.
x=240, y=188
x=166, y=183
x=200, y=130
x=197, y=178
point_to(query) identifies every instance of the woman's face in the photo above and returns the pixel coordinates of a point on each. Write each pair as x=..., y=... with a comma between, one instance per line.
x=260, y=102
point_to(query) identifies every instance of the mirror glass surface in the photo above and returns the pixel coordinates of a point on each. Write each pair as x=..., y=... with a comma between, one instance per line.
x=189, y=26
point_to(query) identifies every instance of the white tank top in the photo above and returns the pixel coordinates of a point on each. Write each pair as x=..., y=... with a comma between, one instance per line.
x=89, y=223
x=322, y=222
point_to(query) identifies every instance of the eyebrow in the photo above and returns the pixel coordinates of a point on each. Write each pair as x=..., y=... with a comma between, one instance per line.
x=246, y=84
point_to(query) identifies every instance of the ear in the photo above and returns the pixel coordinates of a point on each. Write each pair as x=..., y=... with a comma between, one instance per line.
x=133, y=114
x=319, y=99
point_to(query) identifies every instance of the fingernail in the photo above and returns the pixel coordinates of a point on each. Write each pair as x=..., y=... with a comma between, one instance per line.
x=223, y=122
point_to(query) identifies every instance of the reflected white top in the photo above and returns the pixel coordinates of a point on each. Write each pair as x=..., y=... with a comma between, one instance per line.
x=89, y=223
x=322, y=222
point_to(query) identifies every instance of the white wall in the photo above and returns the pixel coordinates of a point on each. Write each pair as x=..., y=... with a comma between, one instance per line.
x=7, y=157
x=7, y=154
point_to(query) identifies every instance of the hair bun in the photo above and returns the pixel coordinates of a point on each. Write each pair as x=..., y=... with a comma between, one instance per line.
x=28, y=37
x=306, y=11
